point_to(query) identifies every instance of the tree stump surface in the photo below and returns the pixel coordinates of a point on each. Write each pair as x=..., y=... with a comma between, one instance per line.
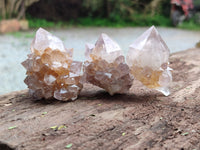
x=141, y=119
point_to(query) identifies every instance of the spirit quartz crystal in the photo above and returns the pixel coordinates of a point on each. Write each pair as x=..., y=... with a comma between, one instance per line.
x=51, y=72
x=148, y=61
x=105, y=66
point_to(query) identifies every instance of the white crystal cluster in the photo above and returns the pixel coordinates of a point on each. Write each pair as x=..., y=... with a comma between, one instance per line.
x=106, y=66
x=51, y=72
x=148, y=61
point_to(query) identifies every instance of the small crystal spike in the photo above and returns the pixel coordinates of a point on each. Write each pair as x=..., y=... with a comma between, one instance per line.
x=88, y=50
x=148, y=61
x=106, y=66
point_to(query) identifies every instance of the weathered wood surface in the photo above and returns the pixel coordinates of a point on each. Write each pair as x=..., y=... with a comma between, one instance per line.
x=141, y=119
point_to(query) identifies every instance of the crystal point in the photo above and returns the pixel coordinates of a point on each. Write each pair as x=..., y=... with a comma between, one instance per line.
x=88, y=50
x=43, y=40
x=106, y=66
x=51, y=70
x=148, y=61
x=106, y=48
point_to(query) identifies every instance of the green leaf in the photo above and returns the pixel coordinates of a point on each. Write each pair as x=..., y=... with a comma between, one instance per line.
x=44, y=113
x=13, y=127
x=184, y=134
x=54, y=127
x=69, y=145
x=123, y=133
x=62, y=126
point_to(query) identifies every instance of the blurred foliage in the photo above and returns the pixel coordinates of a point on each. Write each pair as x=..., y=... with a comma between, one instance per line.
x=139, y=20
x=14, y=8
x=125, y=13
x=22, y=34
x=191, y=25
x=36, y=23
x=112, y=13
x=112, y=10
x=126, y=10
x=56, y=10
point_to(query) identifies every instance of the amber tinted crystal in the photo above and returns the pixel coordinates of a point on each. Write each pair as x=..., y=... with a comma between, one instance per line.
x=148, y=61
x=51, y=72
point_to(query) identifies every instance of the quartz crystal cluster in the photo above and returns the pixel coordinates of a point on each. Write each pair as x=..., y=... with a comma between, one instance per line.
x=105, y=66
x=148, y=61
x=51, y=72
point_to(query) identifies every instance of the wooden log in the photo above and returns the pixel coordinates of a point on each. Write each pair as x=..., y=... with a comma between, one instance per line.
x=142, y=119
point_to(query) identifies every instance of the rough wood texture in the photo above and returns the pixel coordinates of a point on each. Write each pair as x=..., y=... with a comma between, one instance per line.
x=139, y=120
